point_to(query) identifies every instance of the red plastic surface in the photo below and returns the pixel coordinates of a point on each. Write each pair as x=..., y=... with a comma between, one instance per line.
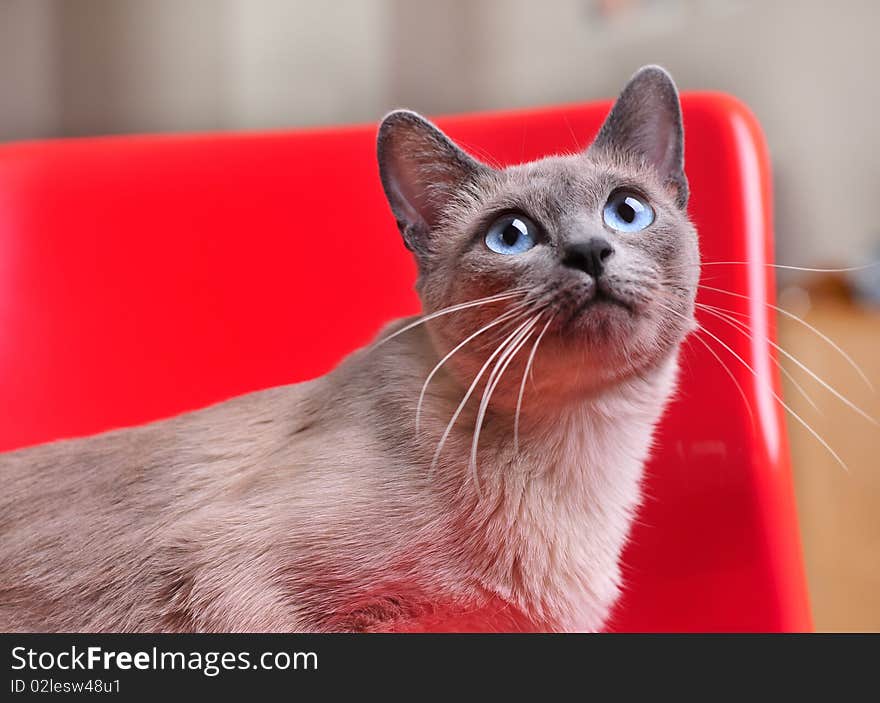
x=144, y=276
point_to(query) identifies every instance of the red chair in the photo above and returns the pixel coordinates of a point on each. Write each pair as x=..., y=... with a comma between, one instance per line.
x=144, y=276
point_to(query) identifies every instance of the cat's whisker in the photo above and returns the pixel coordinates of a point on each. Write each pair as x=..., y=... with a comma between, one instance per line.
x=781, y=402
x=844, y=269
x=467, y=396
x=452, y=308
x=743, y=328
x=837, y=394
x=514, y=313
x=522, y=386
x=726, y=316
x=731, y=375
x=792, y=316
x=494, y=379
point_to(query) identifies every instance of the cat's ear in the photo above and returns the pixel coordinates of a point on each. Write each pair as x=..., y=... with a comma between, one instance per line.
x=645, y=123
x=421, y=169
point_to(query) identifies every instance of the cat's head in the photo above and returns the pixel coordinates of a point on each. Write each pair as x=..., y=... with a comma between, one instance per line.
x=595, y=248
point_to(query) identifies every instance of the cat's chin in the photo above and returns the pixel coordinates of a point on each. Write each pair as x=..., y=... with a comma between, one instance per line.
x=599, y=322
x=606, y=343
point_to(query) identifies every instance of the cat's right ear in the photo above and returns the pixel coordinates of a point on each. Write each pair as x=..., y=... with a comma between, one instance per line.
x=421, y=169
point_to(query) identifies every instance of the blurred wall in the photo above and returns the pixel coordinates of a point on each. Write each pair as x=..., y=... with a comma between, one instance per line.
x=29, y=101
x=117, y=66
x=805, y=67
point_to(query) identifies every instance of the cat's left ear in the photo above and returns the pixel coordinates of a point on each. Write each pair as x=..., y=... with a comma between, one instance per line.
x=645, y=123
x=421, y=170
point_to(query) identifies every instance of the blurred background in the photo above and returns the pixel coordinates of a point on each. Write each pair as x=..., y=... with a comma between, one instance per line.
x=806, y=68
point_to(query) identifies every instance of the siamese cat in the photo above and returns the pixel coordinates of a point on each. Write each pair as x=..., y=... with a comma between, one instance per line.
x=476, y=468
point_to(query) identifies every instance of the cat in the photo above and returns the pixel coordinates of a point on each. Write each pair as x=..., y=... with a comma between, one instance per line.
x=477, y=468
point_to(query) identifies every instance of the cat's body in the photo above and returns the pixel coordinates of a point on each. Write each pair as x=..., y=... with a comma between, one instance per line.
x=349, y=502
x=180, y=525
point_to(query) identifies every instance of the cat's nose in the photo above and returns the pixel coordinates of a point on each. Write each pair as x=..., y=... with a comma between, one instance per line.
x=589, y=256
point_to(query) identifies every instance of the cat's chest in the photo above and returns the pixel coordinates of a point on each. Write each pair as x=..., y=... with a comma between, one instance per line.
x=564, y=532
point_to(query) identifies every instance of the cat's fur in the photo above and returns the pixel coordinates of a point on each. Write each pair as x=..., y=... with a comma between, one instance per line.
x=319, y=506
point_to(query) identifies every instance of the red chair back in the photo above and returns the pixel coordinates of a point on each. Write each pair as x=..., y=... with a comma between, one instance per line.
x=144, y=276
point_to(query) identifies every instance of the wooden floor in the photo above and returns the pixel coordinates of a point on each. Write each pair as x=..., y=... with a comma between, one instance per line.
x=839, y=510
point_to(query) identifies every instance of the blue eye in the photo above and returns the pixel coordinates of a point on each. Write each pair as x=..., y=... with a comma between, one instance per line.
x=627, y=212
x=512, y=234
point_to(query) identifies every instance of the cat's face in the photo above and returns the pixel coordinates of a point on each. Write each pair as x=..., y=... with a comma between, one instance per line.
x=595, y=249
